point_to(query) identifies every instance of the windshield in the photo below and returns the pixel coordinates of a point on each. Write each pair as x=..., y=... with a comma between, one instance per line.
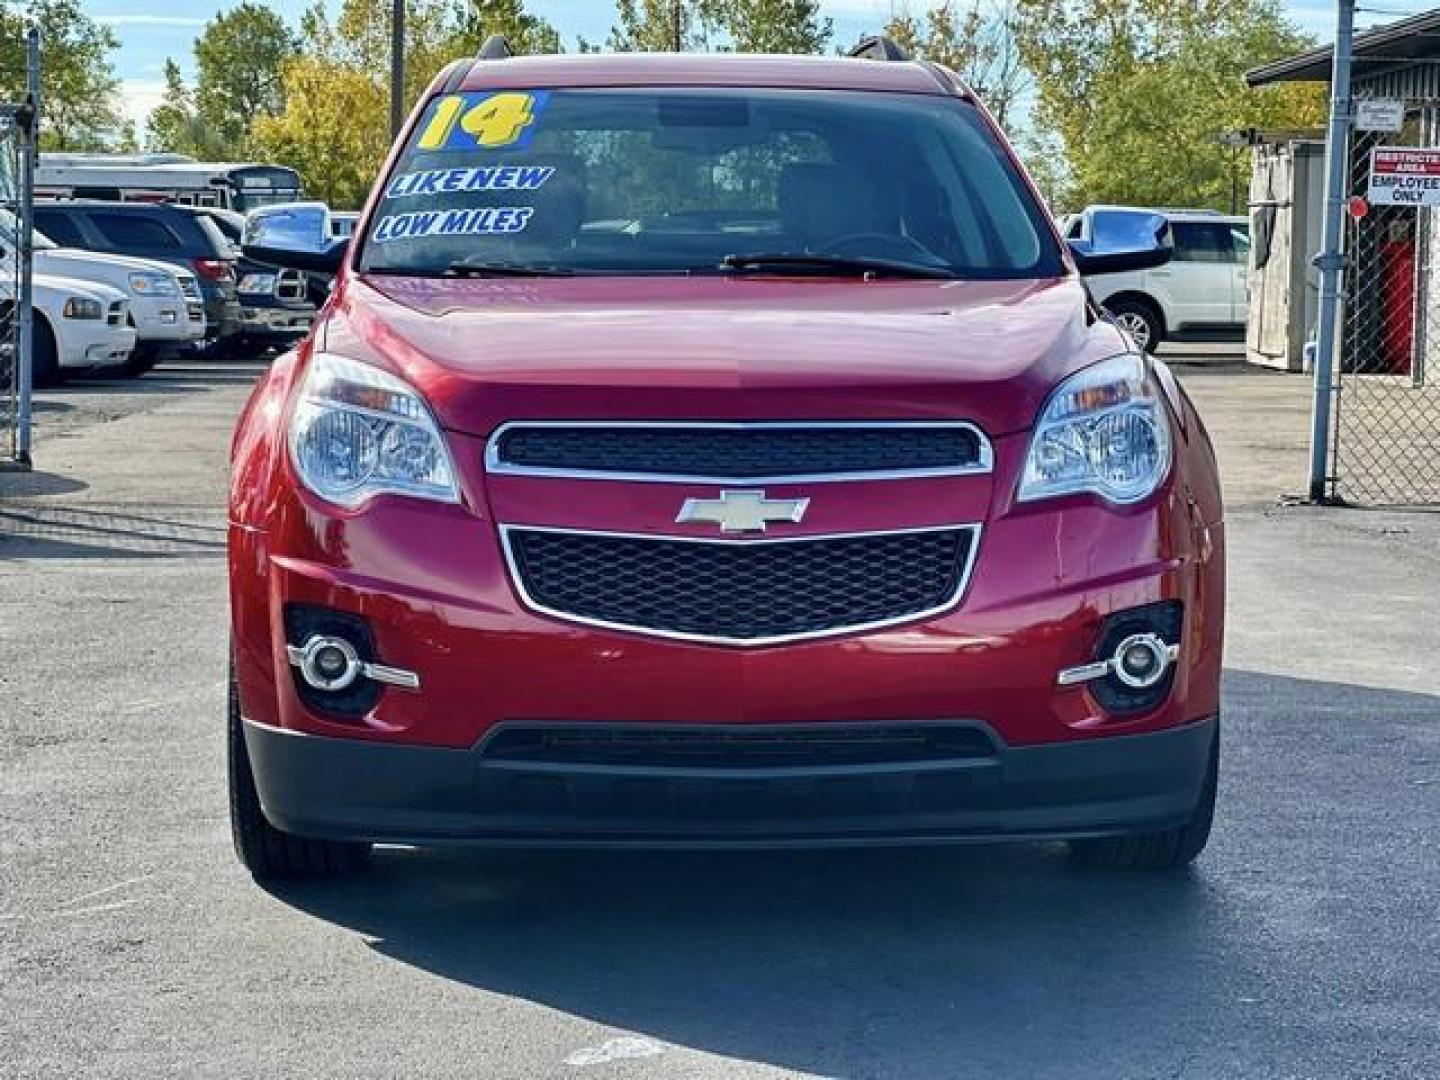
x=262, y=185
x=701, y=181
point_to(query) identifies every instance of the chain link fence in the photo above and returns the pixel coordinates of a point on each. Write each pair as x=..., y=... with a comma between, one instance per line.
x=12, y=269
x=1386, y=445
x=19, y=126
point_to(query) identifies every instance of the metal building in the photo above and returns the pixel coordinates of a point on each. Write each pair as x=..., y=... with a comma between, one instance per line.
x=1385, y=448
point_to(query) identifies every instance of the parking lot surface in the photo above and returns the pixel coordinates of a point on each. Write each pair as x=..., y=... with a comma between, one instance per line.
x=1304, y=943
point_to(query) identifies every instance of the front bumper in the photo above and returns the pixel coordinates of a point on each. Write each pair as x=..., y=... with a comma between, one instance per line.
x=166, y=321
x=93, y=343
x=272, y=320
x=349, y=789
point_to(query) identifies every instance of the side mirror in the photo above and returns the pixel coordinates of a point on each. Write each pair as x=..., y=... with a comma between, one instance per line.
x=1121, y=241
x=295, y=236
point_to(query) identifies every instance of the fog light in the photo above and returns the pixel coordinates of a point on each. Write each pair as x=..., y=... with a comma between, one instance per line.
x=1141, y=659
x=327, y=663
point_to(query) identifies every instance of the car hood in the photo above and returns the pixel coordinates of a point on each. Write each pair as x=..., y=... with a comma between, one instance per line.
x=487, y=351
x=112, y=269
x=60, y=283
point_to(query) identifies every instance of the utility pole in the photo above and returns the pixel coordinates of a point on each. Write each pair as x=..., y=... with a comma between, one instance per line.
x=397, y=68
x=677, y=26
x=1330, y=262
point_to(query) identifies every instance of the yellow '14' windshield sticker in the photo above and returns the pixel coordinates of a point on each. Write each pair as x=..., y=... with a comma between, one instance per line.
x=485, y=121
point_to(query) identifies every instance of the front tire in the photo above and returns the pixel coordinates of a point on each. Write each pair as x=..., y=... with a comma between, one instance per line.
x=1140, y=320
x=1168, y=849
x=268, y=853
x=45, y=367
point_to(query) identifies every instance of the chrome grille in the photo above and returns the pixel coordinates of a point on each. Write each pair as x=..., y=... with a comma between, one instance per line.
x=769, y=452
x=741, y=592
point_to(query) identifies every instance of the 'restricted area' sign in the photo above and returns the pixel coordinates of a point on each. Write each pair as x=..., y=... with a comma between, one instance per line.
x=1404, y=176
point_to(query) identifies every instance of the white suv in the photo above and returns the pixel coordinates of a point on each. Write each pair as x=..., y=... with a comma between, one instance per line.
x=78, y=324
x=1199, y=295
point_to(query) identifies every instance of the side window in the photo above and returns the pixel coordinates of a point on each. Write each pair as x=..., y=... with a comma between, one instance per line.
x=60, y=227
x=1240, y=244
x=1202, y=241
x=133, y=231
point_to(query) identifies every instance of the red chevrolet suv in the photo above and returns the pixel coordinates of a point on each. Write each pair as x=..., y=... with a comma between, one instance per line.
x=716, y=451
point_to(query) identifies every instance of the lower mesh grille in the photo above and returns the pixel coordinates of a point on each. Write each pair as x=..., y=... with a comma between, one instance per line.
x=696, y=746
x=740, y=592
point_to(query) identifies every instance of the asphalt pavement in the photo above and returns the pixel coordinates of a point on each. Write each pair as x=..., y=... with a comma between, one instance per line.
x=1304, y=944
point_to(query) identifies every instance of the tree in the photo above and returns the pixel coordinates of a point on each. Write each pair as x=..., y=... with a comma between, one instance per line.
x=240, y=57
x=333, y=129
x=1137, y=91
x=662, y=25
x=977, y=41
x=773, y=26
x=78, y=81
x=526, y=33
x=176, y=126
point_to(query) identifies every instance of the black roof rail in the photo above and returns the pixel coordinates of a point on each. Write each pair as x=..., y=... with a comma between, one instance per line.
x=496, y=47
x=879, y=47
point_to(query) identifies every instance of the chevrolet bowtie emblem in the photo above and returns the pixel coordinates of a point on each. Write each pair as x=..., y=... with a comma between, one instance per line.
x=741, y=511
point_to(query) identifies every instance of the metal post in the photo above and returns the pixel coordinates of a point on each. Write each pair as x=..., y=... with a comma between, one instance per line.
x=1330, y=262
x=397, y=68
x=25, y=330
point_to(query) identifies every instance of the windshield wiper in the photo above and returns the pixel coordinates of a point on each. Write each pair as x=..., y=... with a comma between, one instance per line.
x=469, y=268
x=837, y=264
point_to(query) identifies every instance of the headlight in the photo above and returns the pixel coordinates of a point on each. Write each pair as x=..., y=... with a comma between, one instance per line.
x=1104, y=430
x=257, y=283
x=358, y=431
x=150, y=283
x=79, y=307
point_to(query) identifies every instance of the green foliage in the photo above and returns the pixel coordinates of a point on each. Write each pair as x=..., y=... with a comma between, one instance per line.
x=774, y=26
x=526, y=33
x=771, y=26
x=175, y=124
x=239, y=58
x=78, y=82
x=662, y=25
x=977, y=41
x=1137, y=91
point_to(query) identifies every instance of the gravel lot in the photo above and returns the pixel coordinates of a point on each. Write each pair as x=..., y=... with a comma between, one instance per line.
x=1304, y=944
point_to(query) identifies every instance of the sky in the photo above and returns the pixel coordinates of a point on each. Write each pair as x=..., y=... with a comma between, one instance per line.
x=147, y=38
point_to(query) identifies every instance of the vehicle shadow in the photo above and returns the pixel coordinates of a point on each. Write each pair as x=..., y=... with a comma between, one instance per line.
x=954, y=961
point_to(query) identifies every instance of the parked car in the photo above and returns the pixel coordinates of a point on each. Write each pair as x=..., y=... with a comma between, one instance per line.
x=1199, y=295
x=165, y=317
x=811, y=503
x=78, y=325
x=275, y=309
x=170, y=234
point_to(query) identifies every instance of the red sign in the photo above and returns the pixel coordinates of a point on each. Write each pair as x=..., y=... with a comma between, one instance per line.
x=1357, y=206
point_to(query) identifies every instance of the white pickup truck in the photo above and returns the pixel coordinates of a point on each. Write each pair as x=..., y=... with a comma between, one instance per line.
x=165, y=306
x=1199, y=295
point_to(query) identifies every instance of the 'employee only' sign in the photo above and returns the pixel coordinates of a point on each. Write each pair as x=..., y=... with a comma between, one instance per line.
x=1404, y=177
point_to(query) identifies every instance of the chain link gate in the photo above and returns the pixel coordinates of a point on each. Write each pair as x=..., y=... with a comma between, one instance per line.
x=1386, y=444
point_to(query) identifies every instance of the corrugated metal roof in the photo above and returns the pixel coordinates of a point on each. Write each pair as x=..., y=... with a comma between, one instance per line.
x=1385, y=48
